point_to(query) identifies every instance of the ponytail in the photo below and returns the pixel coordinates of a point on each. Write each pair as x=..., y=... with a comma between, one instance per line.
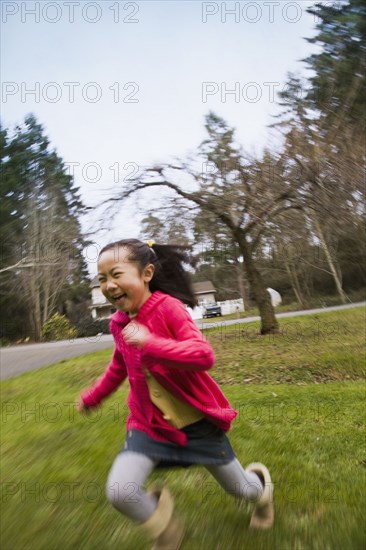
x=169, y=276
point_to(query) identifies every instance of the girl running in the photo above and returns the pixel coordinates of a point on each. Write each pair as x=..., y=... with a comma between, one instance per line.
x=178, y=414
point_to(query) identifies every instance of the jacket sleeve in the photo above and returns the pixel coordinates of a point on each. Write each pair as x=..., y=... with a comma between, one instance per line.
x=187, y=349
x=113, y=377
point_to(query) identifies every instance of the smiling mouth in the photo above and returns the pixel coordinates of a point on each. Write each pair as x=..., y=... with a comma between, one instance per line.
x=118, y=297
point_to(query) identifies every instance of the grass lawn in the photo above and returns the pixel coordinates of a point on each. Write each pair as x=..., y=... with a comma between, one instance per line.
x=301, y=402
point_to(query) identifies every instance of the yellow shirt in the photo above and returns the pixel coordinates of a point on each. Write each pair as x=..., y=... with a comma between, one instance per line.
x=176, y=412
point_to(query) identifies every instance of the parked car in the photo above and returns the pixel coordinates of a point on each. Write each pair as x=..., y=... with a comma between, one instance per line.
x=211, y=310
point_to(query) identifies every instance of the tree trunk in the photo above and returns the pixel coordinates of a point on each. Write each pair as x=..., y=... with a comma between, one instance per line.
x=269, y=322
x=295, y=284
x=35, y=311
x=329, y=258
x=244, y=295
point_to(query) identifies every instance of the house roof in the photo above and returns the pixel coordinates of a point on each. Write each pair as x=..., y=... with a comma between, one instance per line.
x=203, y=288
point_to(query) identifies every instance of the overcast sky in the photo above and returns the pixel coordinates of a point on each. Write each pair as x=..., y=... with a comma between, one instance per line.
x=118, y=85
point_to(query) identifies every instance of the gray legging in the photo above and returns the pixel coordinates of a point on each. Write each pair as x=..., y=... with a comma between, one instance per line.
x=130, y=471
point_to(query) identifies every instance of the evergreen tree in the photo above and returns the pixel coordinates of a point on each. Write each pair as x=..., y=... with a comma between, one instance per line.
x=325, y=127
x=338, y=87
x=40, y=229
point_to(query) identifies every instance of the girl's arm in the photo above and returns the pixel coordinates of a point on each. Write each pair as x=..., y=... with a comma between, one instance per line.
x=187, y=349
x=113, y=377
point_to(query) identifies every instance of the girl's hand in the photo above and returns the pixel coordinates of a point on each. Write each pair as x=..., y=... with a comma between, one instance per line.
x=136, y=334
x=81, y=407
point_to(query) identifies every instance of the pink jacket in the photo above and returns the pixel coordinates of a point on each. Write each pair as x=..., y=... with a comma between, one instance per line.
x=177, y=355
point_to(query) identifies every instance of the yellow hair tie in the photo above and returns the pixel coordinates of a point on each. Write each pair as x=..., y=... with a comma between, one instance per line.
x=150, y=243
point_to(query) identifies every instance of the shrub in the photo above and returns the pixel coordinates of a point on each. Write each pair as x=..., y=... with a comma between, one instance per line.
x=87, y=326
x=58, y=327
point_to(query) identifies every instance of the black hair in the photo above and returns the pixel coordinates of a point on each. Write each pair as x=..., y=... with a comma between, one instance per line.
x=169, y=275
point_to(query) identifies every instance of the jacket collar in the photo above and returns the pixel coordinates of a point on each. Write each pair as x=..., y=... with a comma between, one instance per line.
x=147, y=307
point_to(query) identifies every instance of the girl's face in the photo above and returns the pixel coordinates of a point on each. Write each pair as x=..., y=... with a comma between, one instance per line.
x=121, y=281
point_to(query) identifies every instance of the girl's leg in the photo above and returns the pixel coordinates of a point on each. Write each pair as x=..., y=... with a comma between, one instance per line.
x=237, y=481
x=125, y=486
x=253, y=485
x=153, y=510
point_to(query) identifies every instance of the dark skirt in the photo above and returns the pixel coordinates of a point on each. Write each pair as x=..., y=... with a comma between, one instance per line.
x=207, y=444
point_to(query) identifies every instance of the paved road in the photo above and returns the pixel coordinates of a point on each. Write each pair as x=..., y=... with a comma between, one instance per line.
x=18, y=359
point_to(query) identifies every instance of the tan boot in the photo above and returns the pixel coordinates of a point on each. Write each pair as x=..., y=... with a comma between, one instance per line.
x=263, y=514
x=162, y=526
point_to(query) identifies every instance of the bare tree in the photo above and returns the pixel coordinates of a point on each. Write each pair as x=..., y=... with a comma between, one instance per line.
x=326, y=159
x=46, y=263
x=242, y=194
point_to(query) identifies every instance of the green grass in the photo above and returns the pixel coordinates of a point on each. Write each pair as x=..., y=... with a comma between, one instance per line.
x=309, y=349
x=310, y=434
